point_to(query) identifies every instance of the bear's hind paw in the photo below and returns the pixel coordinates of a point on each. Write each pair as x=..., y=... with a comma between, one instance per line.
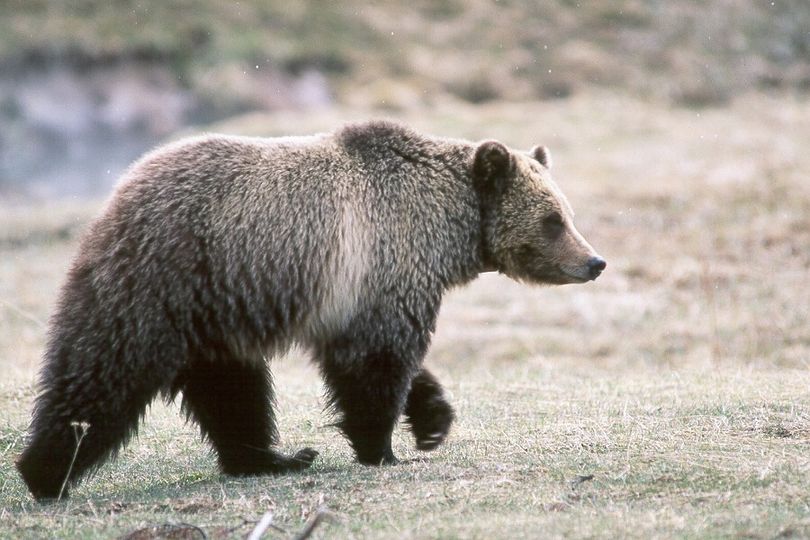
x=430, y=423
x=430, y=441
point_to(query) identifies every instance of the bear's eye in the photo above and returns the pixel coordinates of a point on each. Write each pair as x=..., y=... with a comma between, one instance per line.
x=553, y=225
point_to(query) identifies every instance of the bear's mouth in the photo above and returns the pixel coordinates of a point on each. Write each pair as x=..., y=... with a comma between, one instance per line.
x=555, y=276
x=576, y=275
x=575, y=279
x=529, y=264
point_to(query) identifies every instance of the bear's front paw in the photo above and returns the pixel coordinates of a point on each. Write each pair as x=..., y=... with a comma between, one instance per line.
x=273, y=462
x=431, y=422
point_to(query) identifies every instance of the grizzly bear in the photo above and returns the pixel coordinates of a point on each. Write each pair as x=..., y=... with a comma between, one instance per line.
x=218, y=252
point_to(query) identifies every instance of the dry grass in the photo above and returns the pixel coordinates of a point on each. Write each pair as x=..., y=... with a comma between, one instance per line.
x=401, y=54
x=678, y=380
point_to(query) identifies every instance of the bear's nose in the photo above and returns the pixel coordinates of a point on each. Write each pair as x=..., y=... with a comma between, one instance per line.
x=595, y=266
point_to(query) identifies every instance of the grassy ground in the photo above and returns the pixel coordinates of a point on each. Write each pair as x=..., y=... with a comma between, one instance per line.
x=667, y=399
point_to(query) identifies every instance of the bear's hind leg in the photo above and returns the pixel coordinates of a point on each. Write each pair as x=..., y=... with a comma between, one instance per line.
x=368, y=386
x=83, y=416
x=231, y=399
x=428, y=412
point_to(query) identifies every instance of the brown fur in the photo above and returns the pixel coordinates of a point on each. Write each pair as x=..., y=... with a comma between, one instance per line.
x=218, y=252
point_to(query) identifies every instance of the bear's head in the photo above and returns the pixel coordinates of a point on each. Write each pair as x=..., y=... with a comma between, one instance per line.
x=528, y=226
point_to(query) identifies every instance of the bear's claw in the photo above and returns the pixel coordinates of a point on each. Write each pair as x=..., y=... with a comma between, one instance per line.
x=430, y=442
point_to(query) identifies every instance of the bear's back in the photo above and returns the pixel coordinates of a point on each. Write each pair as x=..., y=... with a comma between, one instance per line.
x=312, y=229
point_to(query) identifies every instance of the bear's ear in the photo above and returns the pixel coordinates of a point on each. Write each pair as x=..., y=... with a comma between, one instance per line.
x=493, y=162
x=543, y=155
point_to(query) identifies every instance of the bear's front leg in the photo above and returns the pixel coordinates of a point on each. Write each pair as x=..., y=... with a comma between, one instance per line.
x=428, y=412
x=368, y=376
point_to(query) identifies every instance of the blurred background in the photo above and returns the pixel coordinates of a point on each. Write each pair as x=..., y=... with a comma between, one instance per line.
x=679, y=132
x=86, y=86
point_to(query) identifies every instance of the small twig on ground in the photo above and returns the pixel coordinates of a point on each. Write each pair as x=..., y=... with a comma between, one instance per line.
x=77, y=428
x=261, y=527
x=321, y=515
x=252, y=522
